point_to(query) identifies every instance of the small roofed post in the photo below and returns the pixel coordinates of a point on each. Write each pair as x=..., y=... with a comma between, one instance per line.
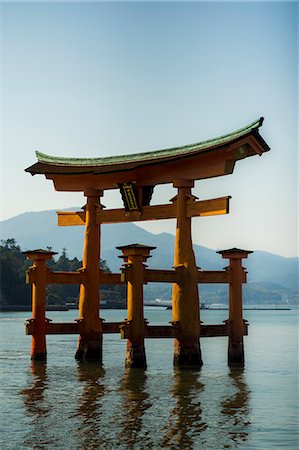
x=37, y=276
x=134, y=257
x=90, y=325
x=235, y=320
x=185, y=298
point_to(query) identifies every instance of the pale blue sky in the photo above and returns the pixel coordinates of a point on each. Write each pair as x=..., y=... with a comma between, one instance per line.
x=97, y=79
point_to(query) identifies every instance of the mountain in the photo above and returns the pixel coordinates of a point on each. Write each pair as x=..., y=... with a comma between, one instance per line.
x=31, y=230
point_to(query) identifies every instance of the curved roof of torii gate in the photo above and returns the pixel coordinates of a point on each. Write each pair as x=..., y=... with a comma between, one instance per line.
x=206, y=159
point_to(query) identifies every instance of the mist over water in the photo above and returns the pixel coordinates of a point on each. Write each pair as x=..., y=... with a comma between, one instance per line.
x=69, y=405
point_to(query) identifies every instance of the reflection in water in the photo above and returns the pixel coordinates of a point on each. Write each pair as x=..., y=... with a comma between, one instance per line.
x=185, y=422
x=209, y=416
x=36, y=406
x=89, y=411
x=34, y=394
x=135, y=403
x=235, y=410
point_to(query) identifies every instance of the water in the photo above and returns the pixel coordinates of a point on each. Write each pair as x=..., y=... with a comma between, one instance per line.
x=66, y=405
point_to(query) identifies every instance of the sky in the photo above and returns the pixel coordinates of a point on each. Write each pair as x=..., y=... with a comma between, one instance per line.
x=106, y=78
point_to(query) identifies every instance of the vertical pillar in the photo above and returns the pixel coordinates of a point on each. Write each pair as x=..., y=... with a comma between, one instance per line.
x=235, y=320
x=134, y=256
x=37, y=274
x=90, y=326
x=185, y=298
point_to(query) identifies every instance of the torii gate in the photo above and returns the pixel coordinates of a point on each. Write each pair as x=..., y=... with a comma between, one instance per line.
x=136, y=175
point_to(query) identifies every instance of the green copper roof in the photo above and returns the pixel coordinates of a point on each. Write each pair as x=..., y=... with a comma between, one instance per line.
x=153, y=155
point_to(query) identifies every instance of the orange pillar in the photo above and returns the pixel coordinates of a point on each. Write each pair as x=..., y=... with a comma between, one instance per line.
x=235, y=320
x=185, y=298
x=90, y=325
x=134, y=256
x=38, y=276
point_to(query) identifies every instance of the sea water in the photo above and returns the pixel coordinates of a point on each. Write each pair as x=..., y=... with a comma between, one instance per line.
x=67, y=405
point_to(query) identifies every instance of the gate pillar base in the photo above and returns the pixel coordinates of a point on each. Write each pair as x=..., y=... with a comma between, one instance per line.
x=187, y=353
x=135, y=355
x=42, y=356
x=38, y=346
x=236, y=353
x=90, y=349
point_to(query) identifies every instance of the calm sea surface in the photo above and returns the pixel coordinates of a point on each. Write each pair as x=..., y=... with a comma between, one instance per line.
x=65, y=405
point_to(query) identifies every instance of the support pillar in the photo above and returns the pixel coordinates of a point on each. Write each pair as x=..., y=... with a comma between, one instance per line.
x=235, y=320
x=90, y=325
x=185, y=298
x=39, y=321
x=134, y=256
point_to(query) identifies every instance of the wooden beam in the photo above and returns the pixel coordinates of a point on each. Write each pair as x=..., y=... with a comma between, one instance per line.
x=160, y=331
x=157, y=212
x=200, y=208
x=79, y=278
x=213, y=276
x=151, y=331
x=111, y=278
x=71, y=327
x=147, y=213
x=217, y=276
x=160, y=276
x=65, y=277
x=213, y=207
x=70, y=218
x=54, y=328
x=218, y=330
x=111, y=327
x=169, y=331
x=150, y=276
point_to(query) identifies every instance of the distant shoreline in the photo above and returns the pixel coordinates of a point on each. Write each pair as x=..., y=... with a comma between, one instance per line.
x=21, y=308
x=25, y=308
x=252, y=309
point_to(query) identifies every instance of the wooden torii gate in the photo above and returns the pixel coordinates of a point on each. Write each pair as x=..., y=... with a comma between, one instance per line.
x=136, y=176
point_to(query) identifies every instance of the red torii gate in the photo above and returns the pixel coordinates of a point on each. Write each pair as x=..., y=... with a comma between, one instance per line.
x=136, y=175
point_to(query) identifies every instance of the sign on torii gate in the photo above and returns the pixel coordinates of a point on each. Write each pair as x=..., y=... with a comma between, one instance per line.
x=136, y=176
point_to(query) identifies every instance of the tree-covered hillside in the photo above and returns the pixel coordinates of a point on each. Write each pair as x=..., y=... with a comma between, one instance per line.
x=15, y=291
x=13, y=266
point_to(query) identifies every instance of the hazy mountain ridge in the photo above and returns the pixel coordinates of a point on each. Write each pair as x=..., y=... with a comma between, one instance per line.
x=266, y=272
